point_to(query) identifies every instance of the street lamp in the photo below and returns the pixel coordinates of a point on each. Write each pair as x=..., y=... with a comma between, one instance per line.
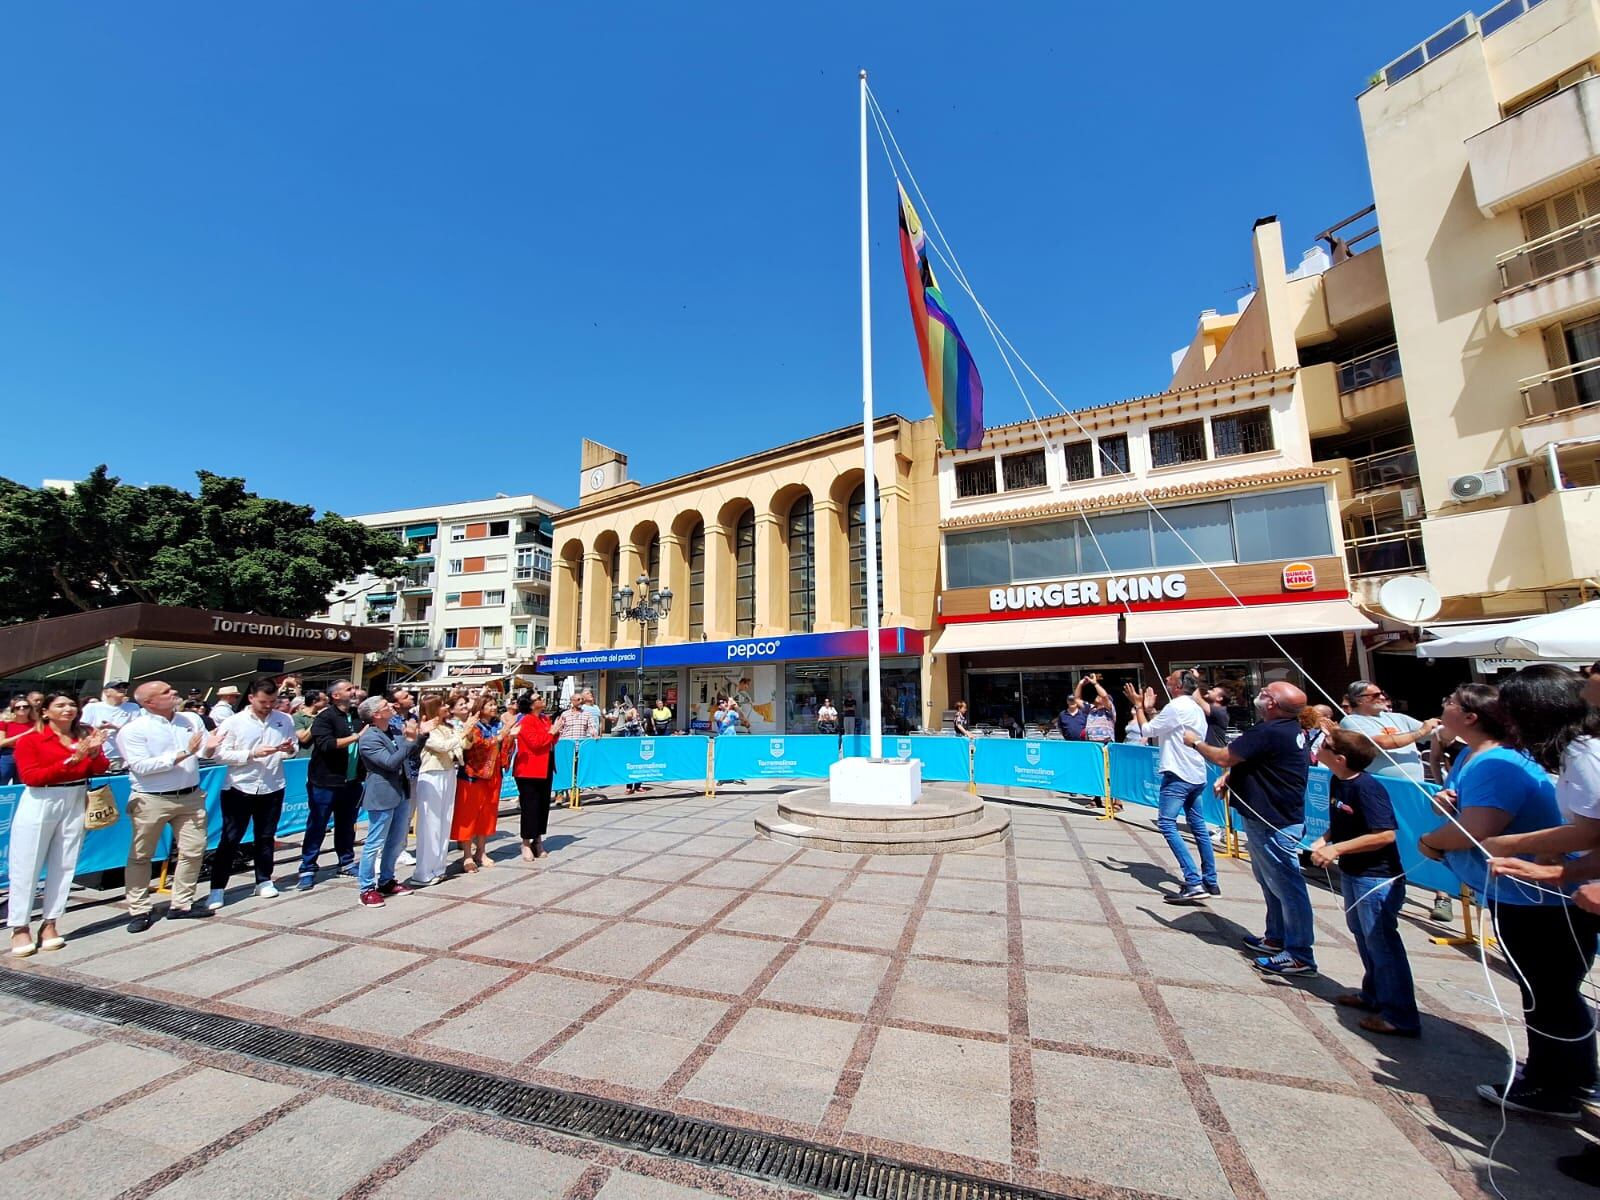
x=646, y=605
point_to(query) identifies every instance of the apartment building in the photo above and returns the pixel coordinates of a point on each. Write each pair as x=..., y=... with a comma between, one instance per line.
x=473, y=598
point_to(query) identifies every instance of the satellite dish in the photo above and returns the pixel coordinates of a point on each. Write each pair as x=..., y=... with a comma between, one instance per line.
x=1409, y=598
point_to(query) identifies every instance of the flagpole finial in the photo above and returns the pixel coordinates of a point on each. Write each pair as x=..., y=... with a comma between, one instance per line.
x=863, y=72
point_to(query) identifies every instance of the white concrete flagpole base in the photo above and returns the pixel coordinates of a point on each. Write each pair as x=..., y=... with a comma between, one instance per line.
x=881, y=781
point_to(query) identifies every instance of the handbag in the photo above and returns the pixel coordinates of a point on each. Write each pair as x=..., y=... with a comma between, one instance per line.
x=101, y=809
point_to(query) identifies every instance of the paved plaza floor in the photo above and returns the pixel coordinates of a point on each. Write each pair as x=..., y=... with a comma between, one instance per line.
x=1029, y=1012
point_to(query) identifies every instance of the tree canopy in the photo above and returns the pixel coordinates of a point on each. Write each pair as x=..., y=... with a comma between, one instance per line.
x=105, y=543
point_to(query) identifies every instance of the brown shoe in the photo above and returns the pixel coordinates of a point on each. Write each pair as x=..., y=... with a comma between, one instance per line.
x=1377, y=1024
x=1354, y=1000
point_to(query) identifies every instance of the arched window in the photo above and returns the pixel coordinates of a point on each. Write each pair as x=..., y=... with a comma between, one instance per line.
x=802, y=566
x=858, y=555
x=616, y=582
x=744, y=574
x=652, y=568
x=697, y=582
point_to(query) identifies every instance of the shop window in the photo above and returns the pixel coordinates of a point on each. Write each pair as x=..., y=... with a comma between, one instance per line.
x=1242, y=433
x=981, y=558
x=697, y=582
x=1184, y=442
x=1046, y=551
x=1021, y=471
x=1282, y=525
x=1206, y=528
x=1079, y=458
x=858, y=555
x=744, y=574
x=975, y=478
x=1113, y=457
x=1116, y=542
x=802, y=565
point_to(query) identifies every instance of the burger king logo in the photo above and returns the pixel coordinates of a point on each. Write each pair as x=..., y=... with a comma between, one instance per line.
x=1299, y=577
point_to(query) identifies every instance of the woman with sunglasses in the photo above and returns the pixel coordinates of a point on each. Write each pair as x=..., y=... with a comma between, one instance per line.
x=18, y=720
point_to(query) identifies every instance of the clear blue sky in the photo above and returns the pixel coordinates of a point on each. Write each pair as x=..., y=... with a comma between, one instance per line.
x=328, y=246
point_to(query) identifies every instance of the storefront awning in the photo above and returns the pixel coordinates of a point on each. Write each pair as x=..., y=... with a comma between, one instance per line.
x=970, y=637
x=1325, y=616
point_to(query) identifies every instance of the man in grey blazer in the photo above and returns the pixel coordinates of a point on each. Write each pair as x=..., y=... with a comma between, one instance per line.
x=386, y=797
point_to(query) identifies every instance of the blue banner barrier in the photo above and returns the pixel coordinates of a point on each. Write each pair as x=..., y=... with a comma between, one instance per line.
x=606, y=762
x=1135, y=778
x=1078, y=768
x=764, y=756
x=944, y=759
x=562, y=780
x=1416, y=816
x=1316, y=804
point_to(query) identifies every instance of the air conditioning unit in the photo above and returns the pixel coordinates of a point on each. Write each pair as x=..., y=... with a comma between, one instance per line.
x=1411, y=504
x=1478, y=486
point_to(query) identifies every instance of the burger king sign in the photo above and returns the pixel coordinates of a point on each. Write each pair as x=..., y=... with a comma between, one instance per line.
x=1299, y=577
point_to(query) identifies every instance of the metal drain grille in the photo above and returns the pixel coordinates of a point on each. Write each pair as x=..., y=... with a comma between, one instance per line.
x=821, y=1169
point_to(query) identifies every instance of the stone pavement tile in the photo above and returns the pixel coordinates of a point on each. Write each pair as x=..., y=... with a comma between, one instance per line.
x=543, y=885
x=85, y=1163
x=690, y=825
x=531, y=938
x=980, y=937
x=818, y=977
x=1448, y=1061
x=1197, y=959
x=319, y=983
x=719, y=962
x=485, y=1167
x=1064, y=903
x=669, y=868
x=875, y=926
x=624, y=1185
x=178, y=944
x=26, y=1040
x=299, y=908
x=794, y=1037
x=711, y=845
x=497, y=1031
x=901, y=864
x=415, y=999
x=441, y=930
x=688, y=904
x=640, y=1015
x=611, y=897
x=759, y=1083
x=1067, y=871
x=381, y=923
x=953, y=994
x=1524, y=1158
x=655, y=841
x=968, y=895
x=302, y=1137
x=1048, y=847
x=1124, y=870
x=1080, y=947
x=973, y=864
x=555, y=996
x=877, y=887
x=193, y=1111
x=603, y=861
x=1271, y=1122
x=642, y=1062
x=623, y=950
x=35, y=1101
x=1255, y=1032
x=779, y=916
x=806, y=881
x=1124, y=1124
x=828, y=859
x=764, y=851
x=942, y=1093
x=1084, y=1010
x=734, y=873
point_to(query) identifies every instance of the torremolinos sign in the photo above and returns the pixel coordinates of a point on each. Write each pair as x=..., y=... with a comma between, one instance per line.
x=297, y=631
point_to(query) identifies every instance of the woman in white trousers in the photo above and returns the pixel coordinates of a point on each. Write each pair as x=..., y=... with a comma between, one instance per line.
x=55, y=763
x=435, y=790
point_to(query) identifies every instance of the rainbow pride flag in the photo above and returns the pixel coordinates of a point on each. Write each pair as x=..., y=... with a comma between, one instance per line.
x=953, y=383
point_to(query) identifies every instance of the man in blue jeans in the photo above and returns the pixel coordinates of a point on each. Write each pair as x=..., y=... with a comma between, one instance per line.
x=333, y=785
x=386, y=797
x=1267, y=768
x=1183, y=778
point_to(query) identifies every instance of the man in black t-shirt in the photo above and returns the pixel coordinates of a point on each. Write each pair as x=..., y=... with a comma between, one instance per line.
x=1266, y=782
x=1215, y=703
x=1361, y=839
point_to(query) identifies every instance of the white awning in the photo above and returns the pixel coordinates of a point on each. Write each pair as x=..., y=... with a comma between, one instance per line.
x=969, y=637
x=1568, y=635
x=1193, y=624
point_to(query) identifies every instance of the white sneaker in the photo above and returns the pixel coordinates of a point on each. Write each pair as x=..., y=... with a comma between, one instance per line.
x=266, y=890
x=215, y=900
x=407, y=859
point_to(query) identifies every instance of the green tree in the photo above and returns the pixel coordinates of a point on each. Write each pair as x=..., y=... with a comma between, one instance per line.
x=106, y=543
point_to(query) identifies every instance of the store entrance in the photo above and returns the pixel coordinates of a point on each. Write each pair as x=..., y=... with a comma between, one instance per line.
x=1034, y=697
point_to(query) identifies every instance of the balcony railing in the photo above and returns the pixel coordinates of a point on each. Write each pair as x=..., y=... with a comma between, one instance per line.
x=1385, y=553
x=1573, y=386
x=529, y=608
x=1574, y=246
x=1391, y=468
x=532, y=575
x=1369, y=369
x=417, y=580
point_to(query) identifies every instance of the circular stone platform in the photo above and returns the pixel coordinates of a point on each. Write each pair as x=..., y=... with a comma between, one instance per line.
x=946, y=820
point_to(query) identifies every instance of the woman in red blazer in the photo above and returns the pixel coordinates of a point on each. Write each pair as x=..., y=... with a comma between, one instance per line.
x=532, y=769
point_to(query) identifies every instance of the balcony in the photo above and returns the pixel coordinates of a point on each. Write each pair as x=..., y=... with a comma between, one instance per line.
x=1537, y=152
x=531, y=576
x=1370, y=386
x=1553, y=542
x=1385, y=553
x=1380, y=472
x=1551, y=277
x=1562, y=405
x=416, y=654
x=418, y=580
x=524, y=609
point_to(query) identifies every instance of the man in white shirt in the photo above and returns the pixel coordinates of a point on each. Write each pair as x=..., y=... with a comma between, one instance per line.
x=112, y=711
x=162, y=748
x=1183, y=779
x=227, y=699
x=255, y=743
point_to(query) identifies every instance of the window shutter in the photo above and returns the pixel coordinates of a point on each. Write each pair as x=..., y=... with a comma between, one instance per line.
x=471, y=599
x=467, y=638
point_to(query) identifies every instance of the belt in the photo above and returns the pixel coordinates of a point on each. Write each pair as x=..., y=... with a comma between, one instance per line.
x=179, y=792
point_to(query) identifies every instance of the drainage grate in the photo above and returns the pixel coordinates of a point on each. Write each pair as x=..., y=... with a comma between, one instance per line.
x=821, y=1169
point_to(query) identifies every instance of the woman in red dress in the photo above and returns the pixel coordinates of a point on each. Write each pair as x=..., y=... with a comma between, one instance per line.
x=478, y=792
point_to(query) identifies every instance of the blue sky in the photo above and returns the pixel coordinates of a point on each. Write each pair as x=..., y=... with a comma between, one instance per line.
x=376, y=254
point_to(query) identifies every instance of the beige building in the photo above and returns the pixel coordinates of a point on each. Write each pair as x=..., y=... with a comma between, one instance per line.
x=765, y=559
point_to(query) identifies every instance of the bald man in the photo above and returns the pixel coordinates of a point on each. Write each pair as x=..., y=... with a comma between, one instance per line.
x=1266, y=783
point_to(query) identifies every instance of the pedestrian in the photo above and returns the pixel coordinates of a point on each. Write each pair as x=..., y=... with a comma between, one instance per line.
x=227, y=703
x=1183, y=778
x=533, y=768
x=312, y=703
x=632, y=727
x=1395, y=734
x=19, y=719
x=1143, y=711
x=477, y=811
x=1100, y=721
x=1072, y=719
x=661, y=719
x=404, y=705
x=827, y=717
x=1218, y=718
x=1361, y=842
x=577, y=723
x=162, y=749
x=55, y=761
x=435, y=791
x=726, y=719
x=960, y=721
x=386, y=795
x=111, y=711
x=1265, y=779
x=1502, y=791
x=333, y=785
x=256, y=741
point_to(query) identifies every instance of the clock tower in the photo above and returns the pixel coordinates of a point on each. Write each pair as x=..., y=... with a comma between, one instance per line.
x=602, y=470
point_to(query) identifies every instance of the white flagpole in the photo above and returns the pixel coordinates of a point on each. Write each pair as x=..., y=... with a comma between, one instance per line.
x=870, y=484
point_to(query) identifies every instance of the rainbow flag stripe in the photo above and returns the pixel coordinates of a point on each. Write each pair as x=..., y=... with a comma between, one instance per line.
x=953, y=383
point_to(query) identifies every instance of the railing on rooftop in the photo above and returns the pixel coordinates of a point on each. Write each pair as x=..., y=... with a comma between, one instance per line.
x=1369, y=369
x=1389, y=468
x=1414, y=59
x=1561, y=250
x=1576, y=385
x=1501, y=15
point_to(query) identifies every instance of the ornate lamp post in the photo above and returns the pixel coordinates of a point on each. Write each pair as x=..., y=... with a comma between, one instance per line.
x=639, y=602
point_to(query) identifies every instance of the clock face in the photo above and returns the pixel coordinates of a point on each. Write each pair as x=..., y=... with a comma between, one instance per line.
x=596, y=477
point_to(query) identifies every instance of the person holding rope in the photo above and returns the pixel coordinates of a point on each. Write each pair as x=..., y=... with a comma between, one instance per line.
x=1265, y=780
x=1183, y=777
